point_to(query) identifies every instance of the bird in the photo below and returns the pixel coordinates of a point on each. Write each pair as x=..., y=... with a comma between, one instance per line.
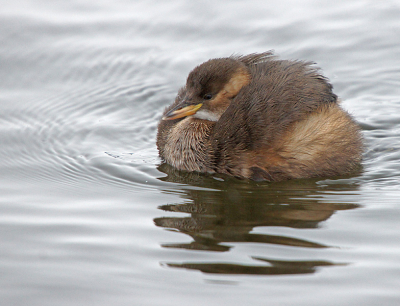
x=260, y=118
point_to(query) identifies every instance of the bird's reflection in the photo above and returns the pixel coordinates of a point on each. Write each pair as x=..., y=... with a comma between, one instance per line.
x=274, y=267
x=223, y=211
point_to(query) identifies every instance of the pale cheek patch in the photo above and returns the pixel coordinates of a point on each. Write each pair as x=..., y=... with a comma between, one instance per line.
x=207, y=115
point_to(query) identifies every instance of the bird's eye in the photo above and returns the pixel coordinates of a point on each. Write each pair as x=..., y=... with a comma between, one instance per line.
x=207, y=97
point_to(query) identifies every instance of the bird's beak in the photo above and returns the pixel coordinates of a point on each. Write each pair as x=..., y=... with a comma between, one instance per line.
x=182, y=112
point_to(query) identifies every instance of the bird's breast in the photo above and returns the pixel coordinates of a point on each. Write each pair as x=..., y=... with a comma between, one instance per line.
x=187, y=145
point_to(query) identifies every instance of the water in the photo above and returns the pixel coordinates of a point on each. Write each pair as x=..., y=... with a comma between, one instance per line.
x=88, y=216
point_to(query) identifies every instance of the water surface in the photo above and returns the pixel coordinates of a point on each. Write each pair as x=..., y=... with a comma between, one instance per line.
x=89, y=216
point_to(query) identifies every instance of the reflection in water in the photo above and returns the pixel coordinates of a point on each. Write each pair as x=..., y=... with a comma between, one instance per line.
x=226, y=210
x=276, y=267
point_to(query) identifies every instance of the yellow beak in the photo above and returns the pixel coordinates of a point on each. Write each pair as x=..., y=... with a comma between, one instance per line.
x=183, y=112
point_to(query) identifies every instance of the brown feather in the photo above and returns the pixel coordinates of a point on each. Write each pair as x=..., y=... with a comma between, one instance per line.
x=269, y=119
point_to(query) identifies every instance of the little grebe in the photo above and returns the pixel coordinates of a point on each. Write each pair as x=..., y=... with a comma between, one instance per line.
x=259, y=118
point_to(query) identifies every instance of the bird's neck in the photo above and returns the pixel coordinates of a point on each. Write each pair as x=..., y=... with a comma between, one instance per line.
x=187, y=145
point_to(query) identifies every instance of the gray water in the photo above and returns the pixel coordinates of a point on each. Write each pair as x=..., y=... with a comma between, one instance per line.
x=88, y=216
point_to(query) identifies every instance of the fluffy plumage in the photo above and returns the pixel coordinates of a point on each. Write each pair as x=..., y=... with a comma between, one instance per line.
x=259, y=118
